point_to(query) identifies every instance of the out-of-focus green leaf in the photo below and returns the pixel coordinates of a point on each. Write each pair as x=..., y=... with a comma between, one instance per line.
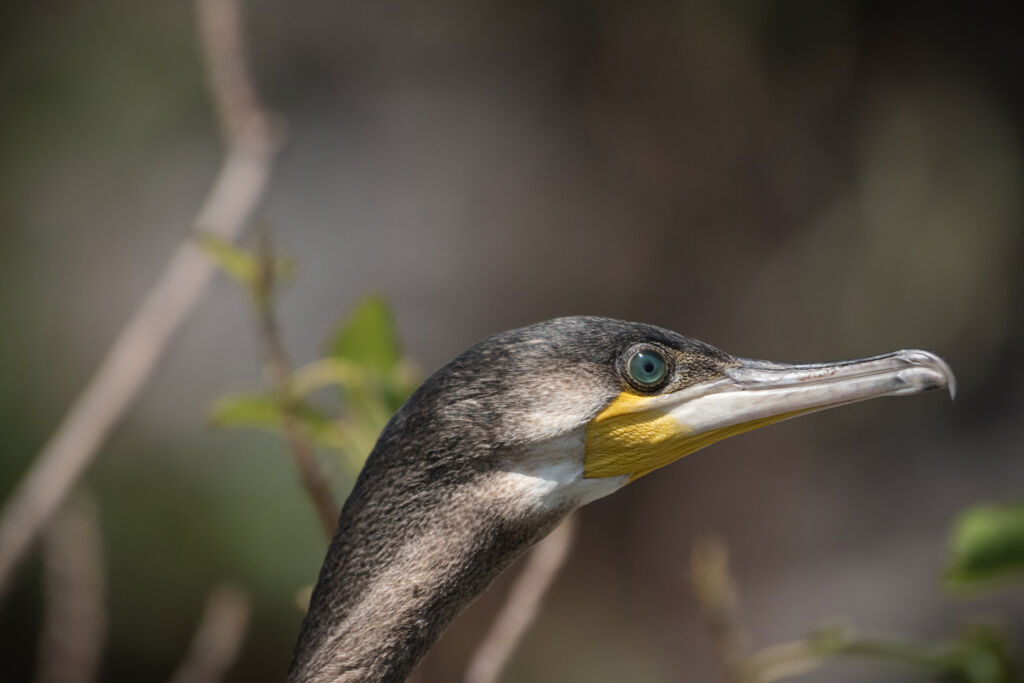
x=402, y=382
x=367, y=336
x=983, y=655
x=324, y=373
x=241, y=265
x=246, y=410
x=238, y=263
x=324, y=431
x=987, y=544
x=284, y=267
x=391, y=389
x=260, y=411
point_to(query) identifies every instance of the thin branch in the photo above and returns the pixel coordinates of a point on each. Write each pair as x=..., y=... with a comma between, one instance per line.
x=242, y=119
x=132, y=357
x=521, y=606
x=218, y=638
x=717, y=595
x=277, y=372
x=311, y=475
x=75, y=619
x=777, y=662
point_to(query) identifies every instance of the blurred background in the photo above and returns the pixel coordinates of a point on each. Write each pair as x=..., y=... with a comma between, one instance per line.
x=789, y=180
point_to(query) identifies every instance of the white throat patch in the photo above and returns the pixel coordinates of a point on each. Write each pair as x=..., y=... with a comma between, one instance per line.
x=551, y=476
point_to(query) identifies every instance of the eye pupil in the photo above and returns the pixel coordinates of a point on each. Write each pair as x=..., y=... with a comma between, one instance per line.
x=647, y=368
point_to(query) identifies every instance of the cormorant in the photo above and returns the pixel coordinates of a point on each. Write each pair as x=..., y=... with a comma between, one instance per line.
x=499, y=445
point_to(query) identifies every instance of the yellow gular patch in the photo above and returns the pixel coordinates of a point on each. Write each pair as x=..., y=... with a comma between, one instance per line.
x=630, y=436
x=633, y=436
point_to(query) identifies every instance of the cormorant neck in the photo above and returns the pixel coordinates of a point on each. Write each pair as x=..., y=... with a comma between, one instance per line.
x=401, y=566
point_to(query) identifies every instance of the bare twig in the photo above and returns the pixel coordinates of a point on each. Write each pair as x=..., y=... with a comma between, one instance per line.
x=781, y=661
x=218, y=638
x=716, y=593
x=312, y=477
x=142, y=342
x=521, y=606
x=240, y=115
x=277, y=372
x=75, y=618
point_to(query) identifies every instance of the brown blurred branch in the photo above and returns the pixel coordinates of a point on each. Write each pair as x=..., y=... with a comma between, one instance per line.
x=242, y=119
x=218, y=638
x=781, y=661
x=717, y=596
x=141, y=343
x=277, y=371
x=521, y=606
x=75, y=619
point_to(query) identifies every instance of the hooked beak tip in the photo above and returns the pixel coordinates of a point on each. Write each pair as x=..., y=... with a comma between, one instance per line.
x=931, y=361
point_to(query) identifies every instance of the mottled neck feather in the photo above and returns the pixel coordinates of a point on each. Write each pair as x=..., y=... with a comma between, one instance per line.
x=405, y=560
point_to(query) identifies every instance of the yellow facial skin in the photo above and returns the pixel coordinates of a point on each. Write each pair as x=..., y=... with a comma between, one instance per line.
x=634, y=436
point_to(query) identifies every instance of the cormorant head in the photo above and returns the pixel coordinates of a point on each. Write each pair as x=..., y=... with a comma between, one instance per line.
x=571, y=409
x=496, y=447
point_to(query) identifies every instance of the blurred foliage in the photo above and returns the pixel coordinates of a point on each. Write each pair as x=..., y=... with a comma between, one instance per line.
x=261, y=411
x=365, y=368
x=367, y=365
x=979, y=654
x=986, y=546
x=368, y=337
x=986, y=543
x=241, y=265
x=244, y=267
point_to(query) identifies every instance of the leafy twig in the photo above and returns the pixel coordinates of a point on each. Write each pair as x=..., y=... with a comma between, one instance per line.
x=141, y=343
x=277, y=373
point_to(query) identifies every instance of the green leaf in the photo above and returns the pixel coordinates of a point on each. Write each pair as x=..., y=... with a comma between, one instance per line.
x=984, y=655
x=242, y=266
x=324, y=373
x=402, y=382
x=261, y=411
x=246, y=410
x=389, y=390
x=367, y=336
x=987, y=544
x=323, y=430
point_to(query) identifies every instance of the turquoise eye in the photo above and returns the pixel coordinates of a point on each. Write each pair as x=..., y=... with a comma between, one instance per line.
x=647, y=368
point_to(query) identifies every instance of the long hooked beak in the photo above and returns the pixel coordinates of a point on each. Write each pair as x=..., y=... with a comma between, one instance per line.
x=636, y=436
x=757, y=390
